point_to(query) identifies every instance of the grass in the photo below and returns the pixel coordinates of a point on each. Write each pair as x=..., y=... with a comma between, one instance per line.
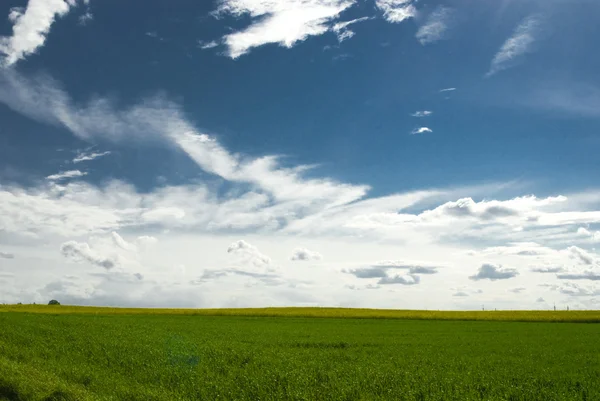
x=67, y=353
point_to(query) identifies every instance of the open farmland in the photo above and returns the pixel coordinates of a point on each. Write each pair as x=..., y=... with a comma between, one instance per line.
x=68, y=353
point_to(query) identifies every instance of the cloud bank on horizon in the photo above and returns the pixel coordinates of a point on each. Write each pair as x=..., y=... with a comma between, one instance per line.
x=240, y=227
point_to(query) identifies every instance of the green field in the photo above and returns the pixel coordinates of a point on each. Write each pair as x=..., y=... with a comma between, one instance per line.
x=65, y=353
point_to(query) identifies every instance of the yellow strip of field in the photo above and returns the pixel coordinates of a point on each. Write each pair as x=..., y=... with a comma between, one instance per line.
x=522, y=316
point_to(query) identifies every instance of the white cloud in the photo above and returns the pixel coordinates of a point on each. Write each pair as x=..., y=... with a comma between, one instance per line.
x=576, y=290
x=146, y=241
x=593, y=236
x=540, y=300
x=408, y=279
x=588, y=275
x=448, y=90
x=81, y=251
x=284, y=22
x=548, y=269
x=121, y=243
x=382, y=270
x=519, y=44
x=342, y=31
x=66, y=174
x=423, y=113
x=249, y=254
x=31, y=26
x=582, y=256
x=494, y=272
x=421, y=130
x=208, y=45
x=84, y=156
x=5, y=255
x=517, y=290
x=436, y=25
x=85, y=18
x=276, y=207
x=303, y=254
x=396, y=10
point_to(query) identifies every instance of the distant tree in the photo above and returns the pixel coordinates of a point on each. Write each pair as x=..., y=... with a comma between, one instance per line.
x=54, y=302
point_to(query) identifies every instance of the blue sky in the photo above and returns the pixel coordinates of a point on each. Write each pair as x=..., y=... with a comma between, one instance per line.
x=241, y=148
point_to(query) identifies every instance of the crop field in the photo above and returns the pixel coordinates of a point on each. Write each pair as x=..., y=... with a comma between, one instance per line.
x=71, y=353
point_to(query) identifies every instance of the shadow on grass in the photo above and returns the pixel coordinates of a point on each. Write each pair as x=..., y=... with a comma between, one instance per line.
x=60, y=396
x=9, y=393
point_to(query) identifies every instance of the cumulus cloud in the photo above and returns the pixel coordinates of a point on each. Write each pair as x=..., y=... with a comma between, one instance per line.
x=423, y=113
x=447, y=90
x=66, y=174
x=588, y=275
x=436, y=25
x=121, y=243
x=408, y=279
x=270, y=199
x=341, y=28
x=517, y=290
x=146, y=240
x=382, y=269
x=494, y=272
x=303, y=254
x=540, y=300
x=81, y=251
x=84, y=156
x=249, y=254
x=548, y=269
x=582, y=255
x=576, y=290
x=421, y=130
x=31, y=26
x=594, y=236
x=460, y=294
x=520, y=43
x=284, y=22
x=368, y=272
x=396, y=10
x=5, y=255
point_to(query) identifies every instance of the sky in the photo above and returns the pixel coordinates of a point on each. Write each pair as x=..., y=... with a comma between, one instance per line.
x=246, y=153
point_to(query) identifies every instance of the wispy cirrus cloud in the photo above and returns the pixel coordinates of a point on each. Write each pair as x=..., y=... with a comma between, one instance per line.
x=66, y=174
x=436, y=25
x=396, y=10
x=341, y=28
x=208, y=44
x=284, y=22
x=520, y=43
x=31, y=27
x=89, y=156
x=271, y=200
